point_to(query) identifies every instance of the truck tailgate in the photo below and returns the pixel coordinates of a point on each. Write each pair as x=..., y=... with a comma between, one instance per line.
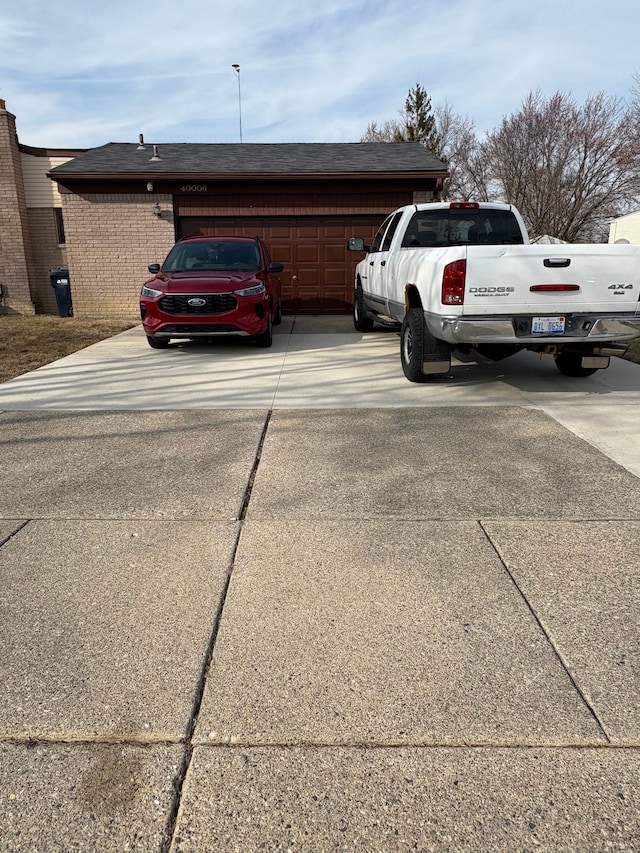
x=503, y=279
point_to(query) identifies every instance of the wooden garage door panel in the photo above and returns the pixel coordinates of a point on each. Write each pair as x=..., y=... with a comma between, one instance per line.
x=334, y=278
x=276, y=232
x=333, y=254
x=308, y=253
x=319, y=271
x=282, y=253
x=307, y=230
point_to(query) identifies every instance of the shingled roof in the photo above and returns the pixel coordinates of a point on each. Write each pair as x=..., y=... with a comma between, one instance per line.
x=127, y=160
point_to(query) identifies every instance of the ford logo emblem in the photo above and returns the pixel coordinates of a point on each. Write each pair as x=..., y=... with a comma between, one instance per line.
x=197, y=303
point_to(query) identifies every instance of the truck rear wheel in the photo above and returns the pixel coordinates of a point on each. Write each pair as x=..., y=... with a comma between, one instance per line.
x=412, y=336
x=570, y=364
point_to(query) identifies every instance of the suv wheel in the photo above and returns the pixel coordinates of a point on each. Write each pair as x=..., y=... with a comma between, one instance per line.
x=277, y=317
x=266, y=338
x=157, y=343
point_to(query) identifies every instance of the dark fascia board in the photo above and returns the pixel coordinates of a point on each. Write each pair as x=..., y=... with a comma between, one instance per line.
x=52, y=152
x=67, y=178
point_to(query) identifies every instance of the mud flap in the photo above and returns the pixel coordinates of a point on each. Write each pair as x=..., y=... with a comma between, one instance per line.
x=439, y=359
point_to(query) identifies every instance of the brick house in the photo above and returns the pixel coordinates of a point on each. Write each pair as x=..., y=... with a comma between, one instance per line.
x=108, y=212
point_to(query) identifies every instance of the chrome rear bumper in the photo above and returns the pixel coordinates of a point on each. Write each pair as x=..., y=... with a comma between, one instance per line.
x=585, y=329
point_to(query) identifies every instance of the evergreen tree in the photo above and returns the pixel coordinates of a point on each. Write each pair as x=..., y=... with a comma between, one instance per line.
x=418, y=122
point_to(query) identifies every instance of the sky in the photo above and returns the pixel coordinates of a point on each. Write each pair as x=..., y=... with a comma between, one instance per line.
x=78, y=74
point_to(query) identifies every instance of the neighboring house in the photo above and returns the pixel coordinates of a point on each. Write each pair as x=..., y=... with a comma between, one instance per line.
x=32, y=239
x=626, y=229
x=124, y=205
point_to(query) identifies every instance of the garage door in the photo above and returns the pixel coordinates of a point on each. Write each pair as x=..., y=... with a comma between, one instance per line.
x=319, y=271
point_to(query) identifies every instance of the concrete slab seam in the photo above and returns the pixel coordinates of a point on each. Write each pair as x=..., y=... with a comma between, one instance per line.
x=541, y=626
x=183, y=771
x=282, y=367
x=15, y=532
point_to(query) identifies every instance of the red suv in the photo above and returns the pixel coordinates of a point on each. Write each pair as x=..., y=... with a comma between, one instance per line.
x=211, y=286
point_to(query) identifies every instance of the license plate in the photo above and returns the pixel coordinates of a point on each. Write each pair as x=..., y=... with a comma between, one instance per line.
x=547, y=326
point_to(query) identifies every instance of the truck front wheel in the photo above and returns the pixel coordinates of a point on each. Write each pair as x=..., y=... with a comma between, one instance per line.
x=412, y=345
x=570, y=364
x=361, y=322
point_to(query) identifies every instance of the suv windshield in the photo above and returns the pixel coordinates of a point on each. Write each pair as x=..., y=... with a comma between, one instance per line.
x=451, y=227
x=213, y=255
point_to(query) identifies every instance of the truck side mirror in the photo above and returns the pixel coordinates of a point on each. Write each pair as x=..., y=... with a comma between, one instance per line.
x=357, y=244
x=275, y=266
x=154, y=268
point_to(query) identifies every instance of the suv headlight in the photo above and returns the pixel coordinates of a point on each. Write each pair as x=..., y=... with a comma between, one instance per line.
x=254, y=290
x=150, y=292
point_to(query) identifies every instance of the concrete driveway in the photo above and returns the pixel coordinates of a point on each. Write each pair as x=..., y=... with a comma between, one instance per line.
x=285, y=599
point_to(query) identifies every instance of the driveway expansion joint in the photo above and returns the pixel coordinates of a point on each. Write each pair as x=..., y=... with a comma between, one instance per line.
x=181, y=775
x=547, y=636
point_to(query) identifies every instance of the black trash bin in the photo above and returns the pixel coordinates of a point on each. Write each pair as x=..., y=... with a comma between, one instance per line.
x=59, y=280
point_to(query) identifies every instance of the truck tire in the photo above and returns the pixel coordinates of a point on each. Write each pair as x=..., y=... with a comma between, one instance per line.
x=361, y=322
x=412, y=335
x=570, y=364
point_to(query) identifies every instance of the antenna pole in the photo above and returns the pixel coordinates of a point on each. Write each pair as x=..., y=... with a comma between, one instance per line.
x=236, y=68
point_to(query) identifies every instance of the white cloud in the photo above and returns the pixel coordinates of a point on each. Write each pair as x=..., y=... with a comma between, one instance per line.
x=308, y=72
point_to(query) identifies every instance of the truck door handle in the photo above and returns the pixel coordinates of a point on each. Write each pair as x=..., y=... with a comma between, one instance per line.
x=557, y=262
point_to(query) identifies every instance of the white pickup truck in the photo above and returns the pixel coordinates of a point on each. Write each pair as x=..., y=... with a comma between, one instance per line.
x=464, y=276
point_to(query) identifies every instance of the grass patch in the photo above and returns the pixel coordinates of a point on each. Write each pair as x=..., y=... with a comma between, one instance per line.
x=27, y=342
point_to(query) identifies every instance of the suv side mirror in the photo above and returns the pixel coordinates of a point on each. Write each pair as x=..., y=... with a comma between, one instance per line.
x=154, y=268
x=275, y=266
x=357, y=244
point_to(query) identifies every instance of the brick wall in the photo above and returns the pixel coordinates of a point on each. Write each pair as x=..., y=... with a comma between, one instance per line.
x=47, y=254
x=111, y=239
x=15, y=243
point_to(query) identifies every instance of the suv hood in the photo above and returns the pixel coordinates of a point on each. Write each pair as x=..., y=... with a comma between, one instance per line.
x=203, y=281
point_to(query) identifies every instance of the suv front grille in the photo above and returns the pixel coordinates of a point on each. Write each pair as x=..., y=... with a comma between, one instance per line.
x=215, y=303
x=199, y=329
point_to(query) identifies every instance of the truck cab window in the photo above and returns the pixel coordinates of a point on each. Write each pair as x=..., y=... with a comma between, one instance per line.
x=377, y=240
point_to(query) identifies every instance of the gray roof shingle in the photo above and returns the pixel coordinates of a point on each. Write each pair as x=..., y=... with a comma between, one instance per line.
x=116, y=158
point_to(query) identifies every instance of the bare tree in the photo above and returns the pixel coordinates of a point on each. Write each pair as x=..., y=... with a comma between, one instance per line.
x=447, y=135
x=568, y=168
x=460, y=150
x=386, y=133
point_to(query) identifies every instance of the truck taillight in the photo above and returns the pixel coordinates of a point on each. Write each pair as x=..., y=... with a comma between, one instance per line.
x=453, y=283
